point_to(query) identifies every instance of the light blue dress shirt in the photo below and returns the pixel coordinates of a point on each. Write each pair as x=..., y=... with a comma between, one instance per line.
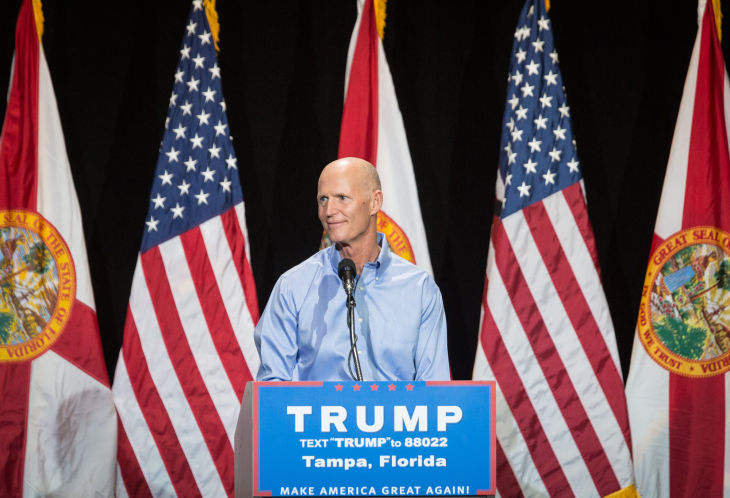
x=399, y=322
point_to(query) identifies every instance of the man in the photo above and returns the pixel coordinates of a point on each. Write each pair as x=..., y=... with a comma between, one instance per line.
x=399, y=317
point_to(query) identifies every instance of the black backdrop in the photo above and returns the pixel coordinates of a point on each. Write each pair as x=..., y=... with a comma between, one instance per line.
x=283, y=64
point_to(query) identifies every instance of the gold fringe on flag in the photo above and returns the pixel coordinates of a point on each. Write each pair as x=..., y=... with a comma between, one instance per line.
x=38, y=14
x=718, y=17
x=379, y=6
x=547, y=5
x=212, y=15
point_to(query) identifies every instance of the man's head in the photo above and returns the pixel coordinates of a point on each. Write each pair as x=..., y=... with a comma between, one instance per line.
x=348, y=200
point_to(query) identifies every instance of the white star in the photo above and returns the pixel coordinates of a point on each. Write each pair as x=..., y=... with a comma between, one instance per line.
x=525, y=32
x=166, y=178
x=508, y=148
x=521, y=113
x=215, y=151
x=511, y=124
x=220, y=128
x=573, y=165
x=178, y=76
x=559, y=133
x=524, y=190
x=530, y=166
x=177, y=211
x=534, y=144
x=554, y=56
x=185, y=52
x=527, y=90
x=549, y=177
x=514, y=101
x=198, y=4
x=520, y=55
x=199, y=61
x=517, y=135
x=152, y=224
x=180, y=131
x=543, y=22
x=532, y=68
x=538, y=45
x=209, y=93
x=190, y=164
x=203, y=117
x=204, y=38
x=551, y=79
x=197, y=141
x=192, y=85
x=208, y=174
x=186, y=108
x=215, y=71
x=184, y=187
x=232, y=162
x=517, y=78
x=167, y=121
x=159, y=201
x=555, y=154
x=202, y=197
x=226, y=185
x=511, y=157
x=545, y=100
x=223, y=105
x=508, y=180
x=564, y=110
x=540, y=122
x=173, y=98
x=172, y=155
x=531, y=11
x=191, y=27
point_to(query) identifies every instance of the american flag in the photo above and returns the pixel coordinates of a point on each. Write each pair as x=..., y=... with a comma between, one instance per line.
x=188, y=345
x=546, y=333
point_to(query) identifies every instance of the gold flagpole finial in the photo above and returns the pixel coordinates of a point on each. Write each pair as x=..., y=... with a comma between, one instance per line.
x=212, y=15
x=380, y=7
x=38, y=14
x=717, y=8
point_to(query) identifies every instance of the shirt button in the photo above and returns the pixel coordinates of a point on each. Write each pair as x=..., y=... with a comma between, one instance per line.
x=360, y=320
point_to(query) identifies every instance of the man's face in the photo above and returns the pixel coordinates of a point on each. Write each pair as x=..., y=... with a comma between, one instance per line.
x=345, y=203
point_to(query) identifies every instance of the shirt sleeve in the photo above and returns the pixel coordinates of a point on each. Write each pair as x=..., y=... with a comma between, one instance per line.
x=276, y=335
x=432, y=354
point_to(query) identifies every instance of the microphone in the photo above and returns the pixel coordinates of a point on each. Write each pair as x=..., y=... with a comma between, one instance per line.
x=346, y=271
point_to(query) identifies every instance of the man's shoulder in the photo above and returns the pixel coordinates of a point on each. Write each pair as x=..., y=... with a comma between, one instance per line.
x=314, y=264
x=405, y=269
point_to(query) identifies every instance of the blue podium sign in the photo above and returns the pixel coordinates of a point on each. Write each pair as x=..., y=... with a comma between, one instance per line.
x=373, y=438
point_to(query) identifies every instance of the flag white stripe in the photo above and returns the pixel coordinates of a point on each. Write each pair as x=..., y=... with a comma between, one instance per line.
x=138, y=434
x=56, y=195
x=567, y=344
x=169, y=388
x=537, y=389
x=240, y=210
x=198, y=334
x=584, y=269
x=671, y=205
x=231, y=289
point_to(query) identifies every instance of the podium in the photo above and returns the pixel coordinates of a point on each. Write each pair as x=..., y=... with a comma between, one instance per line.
x=366, y=439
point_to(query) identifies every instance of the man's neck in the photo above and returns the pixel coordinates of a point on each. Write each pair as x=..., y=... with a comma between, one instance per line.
x=360, y=254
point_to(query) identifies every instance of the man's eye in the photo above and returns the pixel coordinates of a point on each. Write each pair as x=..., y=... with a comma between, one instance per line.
x=322, y=200
x=342, y=197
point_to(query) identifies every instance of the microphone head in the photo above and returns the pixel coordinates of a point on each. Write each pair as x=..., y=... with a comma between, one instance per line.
x=345, y=266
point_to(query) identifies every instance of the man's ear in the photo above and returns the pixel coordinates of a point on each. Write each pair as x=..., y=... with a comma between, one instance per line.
x=376, y=202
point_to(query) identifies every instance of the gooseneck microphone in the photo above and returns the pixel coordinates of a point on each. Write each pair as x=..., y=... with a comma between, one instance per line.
x=347, y=271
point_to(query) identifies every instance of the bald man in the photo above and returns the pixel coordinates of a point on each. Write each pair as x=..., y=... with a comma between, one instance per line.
x=399, y=317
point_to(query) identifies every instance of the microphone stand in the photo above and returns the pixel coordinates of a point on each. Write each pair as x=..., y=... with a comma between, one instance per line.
x=353, y=337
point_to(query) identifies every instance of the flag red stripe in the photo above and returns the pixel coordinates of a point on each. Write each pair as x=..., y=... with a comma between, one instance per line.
x=19, y=139
x=237, y=244
x=214, y=311
x=548, y=358
x=186, y=368
x=577, y=204
x=79, y=343
x=15, y=382
x=359, y=129
x=132, y=475
x=697, y=406
x=507, y=481
x=515, y=394
x=154, y=412
x=576, y=306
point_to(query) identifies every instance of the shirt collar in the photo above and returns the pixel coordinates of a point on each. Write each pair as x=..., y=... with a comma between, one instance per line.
x=382, y=262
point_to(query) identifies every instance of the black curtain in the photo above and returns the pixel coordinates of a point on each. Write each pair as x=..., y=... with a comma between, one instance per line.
x=283, y=65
